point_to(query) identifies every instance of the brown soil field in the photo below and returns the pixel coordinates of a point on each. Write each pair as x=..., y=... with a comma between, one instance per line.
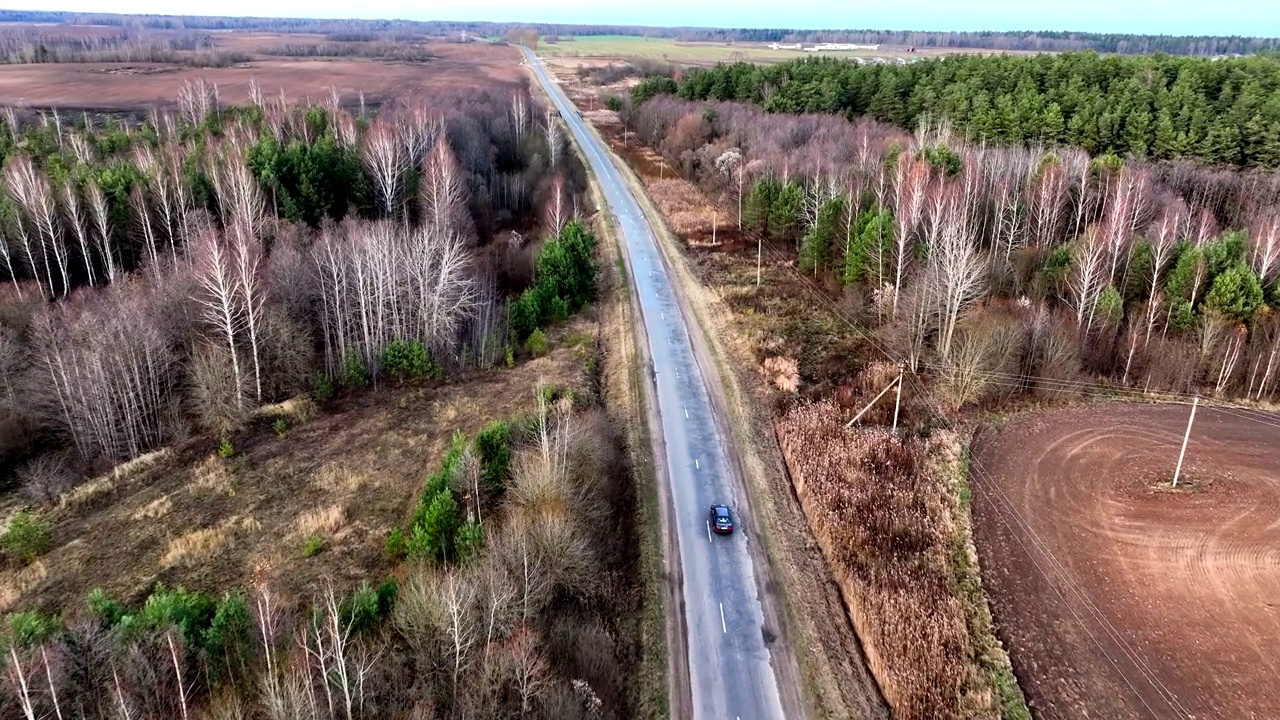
x=1121, y=598
x=349, y=473
x=131, y=86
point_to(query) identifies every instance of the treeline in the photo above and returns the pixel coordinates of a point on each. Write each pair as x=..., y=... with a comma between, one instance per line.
x=512, y=601
x=1003, y=270
x=377, y=50
x=174, y=276
x=36, y=44
x=1224, y=112
x=1047, y=41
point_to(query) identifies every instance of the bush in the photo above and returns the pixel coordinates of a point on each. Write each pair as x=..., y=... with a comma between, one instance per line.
x=324, y=388
x=395, y=545
x=191, y=612
x=228, y=640
x=564, y=281
x=432, y=537
x=406, y=361
x=30, y=628
x=105, y=608
x=280, y=426
x=367, y=607
x=225, y=449
x=537, y=344
x=312, y=546
x=1236, y=292
x=469, y=542
x=27, y=538
x=354, y=375
x=493, y=445
x=613, y=102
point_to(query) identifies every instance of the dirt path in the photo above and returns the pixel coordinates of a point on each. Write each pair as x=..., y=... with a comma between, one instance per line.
x=1119, y=599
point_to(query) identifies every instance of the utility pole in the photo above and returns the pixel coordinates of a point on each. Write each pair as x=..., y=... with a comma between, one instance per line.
x=896, y=381
x=897, y=404
x=759, y=257
x=1177, y=471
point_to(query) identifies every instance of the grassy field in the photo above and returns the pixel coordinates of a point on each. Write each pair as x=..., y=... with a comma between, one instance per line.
x=614, y=46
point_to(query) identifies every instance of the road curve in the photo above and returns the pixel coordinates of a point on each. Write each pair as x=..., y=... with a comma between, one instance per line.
x=730, y=668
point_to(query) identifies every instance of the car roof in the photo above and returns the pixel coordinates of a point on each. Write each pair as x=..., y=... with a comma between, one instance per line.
x=722, y=509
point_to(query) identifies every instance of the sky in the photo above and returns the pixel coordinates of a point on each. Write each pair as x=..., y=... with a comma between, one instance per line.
x=1169, y=17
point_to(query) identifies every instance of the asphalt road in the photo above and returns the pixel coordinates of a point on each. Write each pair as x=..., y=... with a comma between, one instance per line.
x=729, y=662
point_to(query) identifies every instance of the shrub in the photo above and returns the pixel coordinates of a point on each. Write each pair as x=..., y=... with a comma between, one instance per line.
x=191, y=612
x=1236, y=292
x=469, y=542
x=433, y=535
x=30, y=628
x=537, y=344
x=395, y=545
x=564, y=281
x=230, y=635
x=354, y=375
x=406, y=360
x=312, y=545
x=105, y=608
x=27, y=538
x=280, y=426
x=509, y=358
x=613, y=102
x=324, y=388
x=225, y=449
x=365, y=609
x=493, y=445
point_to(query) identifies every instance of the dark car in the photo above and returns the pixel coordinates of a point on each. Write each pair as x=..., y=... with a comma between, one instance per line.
x=721, y=520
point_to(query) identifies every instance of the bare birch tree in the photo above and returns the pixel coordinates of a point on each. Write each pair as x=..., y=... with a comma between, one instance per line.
x=102, y=226
x=909, y=198
x=1090, y=275
x=219, y=299
x=1164, y=238
x=384, y=156
x=80, y=227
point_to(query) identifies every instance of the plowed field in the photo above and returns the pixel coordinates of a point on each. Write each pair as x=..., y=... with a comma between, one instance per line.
x=1118, y=597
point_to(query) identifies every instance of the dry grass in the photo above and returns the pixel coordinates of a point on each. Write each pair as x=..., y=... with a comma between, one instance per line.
x=783, y=372
x=15, y=583
x=297, y=410
x=228, y=523
x=682, y=206
x=194, y=547
x=153, y=509
x=322, y=521
x=109, y=482
x=212, y=476
x=340, y=481
x=885, y=515
x=87, y=492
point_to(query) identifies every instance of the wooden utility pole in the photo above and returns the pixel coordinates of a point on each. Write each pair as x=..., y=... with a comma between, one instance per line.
x=759, y=256
x=897, y=382
x=897, y=404
x=1178, y=470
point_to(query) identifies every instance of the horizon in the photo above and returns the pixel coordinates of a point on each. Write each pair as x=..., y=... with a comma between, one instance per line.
x=1176, y=18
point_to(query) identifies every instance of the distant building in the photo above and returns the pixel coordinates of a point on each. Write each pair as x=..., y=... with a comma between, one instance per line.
x=779, y=46
x=828, y=47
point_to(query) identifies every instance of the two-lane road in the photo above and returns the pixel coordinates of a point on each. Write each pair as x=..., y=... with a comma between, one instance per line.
x=731, y=674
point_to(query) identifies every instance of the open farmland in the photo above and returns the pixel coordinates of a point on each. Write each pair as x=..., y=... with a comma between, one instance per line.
x=631, y=46
x=1123, y=599
x=134, y=85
